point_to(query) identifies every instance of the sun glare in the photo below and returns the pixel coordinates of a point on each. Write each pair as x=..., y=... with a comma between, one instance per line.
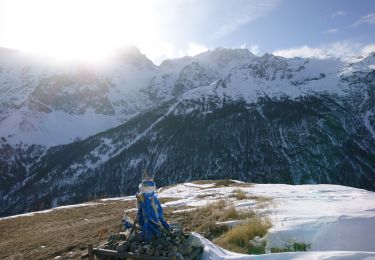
x=76, y=29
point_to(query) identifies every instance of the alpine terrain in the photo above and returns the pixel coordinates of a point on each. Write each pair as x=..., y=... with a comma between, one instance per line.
x=338, y=222
x=75, y=131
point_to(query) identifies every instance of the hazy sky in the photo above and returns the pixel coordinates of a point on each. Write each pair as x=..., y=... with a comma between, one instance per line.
x=173, y=28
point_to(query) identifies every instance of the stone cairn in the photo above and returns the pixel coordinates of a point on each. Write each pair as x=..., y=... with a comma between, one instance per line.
x=173, y=243
x=150, y=234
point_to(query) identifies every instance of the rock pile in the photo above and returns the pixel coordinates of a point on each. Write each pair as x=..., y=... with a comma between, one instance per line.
x=174, y=243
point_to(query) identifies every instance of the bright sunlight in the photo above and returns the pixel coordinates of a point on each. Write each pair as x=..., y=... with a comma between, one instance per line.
x=71, y=29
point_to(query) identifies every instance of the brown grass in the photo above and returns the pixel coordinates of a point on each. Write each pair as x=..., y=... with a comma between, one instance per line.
x=263, y=202
x=168, y=199
x=260, y=199
x=203, y=219
x=223, y=183
x=237, y=239
x=59, y=232
x=239, y=194
x=216, y=184
x=203, y=196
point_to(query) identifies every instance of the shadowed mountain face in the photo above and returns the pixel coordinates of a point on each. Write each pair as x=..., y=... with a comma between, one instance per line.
x=221, y=114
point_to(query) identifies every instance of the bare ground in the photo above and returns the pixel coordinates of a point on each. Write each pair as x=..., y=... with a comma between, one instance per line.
x=62, y=232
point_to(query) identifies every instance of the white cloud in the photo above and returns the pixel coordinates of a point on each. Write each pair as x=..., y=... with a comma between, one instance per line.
x=369, y=19
x=161, y=51
x=254, y=48
x=331, y=31
x=303, y=52
x=195, y=48
x=343, y=50
x=338, y=13
x=368, y=49
x=254, y=10
x=158, y=51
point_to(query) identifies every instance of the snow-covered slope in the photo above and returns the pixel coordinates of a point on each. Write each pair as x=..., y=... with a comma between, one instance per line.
x=337, y=221
x=49, y=103
x=276, y=77
x=41, y=96
x=46, y=102
x=329, y=217
x=223, y=113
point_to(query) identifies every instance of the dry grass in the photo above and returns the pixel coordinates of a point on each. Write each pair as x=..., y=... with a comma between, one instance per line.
x=216, y=184
x=203, y=196
x=223, y=183
x=263, y=202
x=203, y=219
x=237, y=239
x=57, y=233
x=231, y=213
x=239, y=194
x=260, y=199
x=62, y=232
x=167, y=199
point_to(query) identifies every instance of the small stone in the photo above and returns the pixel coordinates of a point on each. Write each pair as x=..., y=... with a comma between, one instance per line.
x=194, y=241
x=107, y=246
x=123, y=246
x=150, y=251
x=131, y=237
x=185, y=249
x=256, y=241
x=133, y=246
x=179, y=256
x=147, y=249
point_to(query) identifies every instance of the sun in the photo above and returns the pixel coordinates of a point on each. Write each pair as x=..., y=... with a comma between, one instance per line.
x=76, y=29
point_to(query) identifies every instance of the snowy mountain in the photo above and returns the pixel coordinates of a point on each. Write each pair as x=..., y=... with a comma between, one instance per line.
x=73, y=131
x=51, y=103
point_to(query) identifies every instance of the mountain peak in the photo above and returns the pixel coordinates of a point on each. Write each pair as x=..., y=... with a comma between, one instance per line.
x=226, y=53
x=133, y=55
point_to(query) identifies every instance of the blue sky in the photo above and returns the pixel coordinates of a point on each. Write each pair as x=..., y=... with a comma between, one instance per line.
x=346, y=26
x=174, y=28
x=292, y=23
